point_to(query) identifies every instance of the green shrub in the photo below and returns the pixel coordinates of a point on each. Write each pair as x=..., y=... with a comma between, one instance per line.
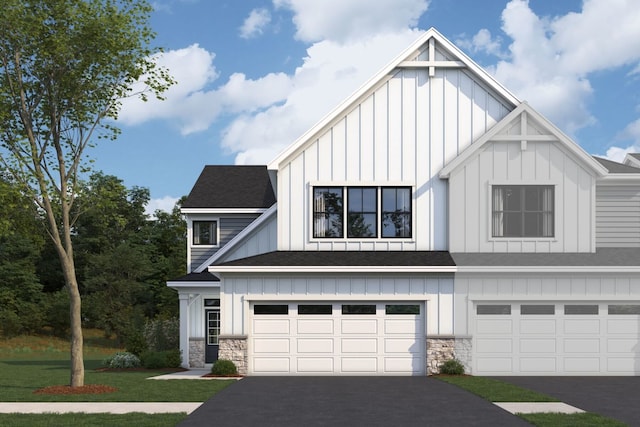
x=452, y=367
x=224, y=367
x=135, y=343
x=161, y=359
x=122, y=360
x=162, y=334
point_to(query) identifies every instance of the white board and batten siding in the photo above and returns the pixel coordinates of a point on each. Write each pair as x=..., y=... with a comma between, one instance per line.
x=589, y=340
x=617, y=219
x=196, y=311
x=400, y=133
x=506, y=163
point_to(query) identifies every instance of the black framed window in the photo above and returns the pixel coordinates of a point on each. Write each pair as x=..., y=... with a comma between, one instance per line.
x=488, y=309
x=205, y=232
x=327, y=212
x=412, y=309
x=365, y=216
x=396, y=212
x=358, y=309
x=271, y=309
x=362, y=208
x=305, y=309
x=631, y=309
x=523, y=211
x=536, y=309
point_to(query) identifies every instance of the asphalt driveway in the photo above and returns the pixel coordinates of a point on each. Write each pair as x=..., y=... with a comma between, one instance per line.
x=352, y=401
x=614, y=397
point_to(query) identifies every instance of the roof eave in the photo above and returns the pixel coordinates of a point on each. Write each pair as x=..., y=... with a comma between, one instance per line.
x=332, y=269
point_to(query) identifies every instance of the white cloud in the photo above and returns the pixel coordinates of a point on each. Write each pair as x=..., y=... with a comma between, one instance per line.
x=630, y=133
x=341, y=20
x=550, y=58
x=165, y=203
x=342, y=68
x=255, y=23
x=482, y=41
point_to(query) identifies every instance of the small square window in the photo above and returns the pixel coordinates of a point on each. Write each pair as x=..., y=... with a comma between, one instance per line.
x=537, y=309
x=271, y=309
x=315, y=309
x=493, y=309
x=205, y=233
x=402, y=309
x=581, y=309
x=624, y=309
x=358, y=309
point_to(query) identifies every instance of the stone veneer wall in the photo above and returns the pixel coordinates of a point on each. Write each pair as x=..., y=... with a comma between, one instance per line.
x=443, y=348
x=234, y=348
x=196, y=352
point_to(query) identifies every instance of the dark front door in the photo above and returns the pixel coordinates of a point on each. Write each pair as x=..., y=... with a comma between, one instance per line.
x=212, y=328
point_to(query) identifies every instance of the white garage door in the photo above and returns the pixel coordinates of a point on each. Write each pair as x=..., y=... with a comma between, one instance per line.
x=560, y=339
x=365, y=338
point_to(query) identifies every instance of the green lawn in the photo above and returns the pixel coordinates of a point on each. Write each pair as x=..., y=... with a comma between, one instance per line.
x=499, y=391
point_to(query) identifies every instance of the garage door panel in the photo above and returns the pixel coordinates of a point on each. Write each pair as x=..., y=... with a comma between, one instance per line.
x=359, y=365
x=318, y=365
x=271, y=365
x=401, y=364
x=271, y=345
x=271, y=326
x=495, y=364
x=538, y=326
x=573, y=345
x=399, y=345
x=537, y=364
x=401, y=326
x=623, y=364
x=628, y=345
x=359, y=345
x=315, y=326
x=543, y=345
x=360, y=327
x=495, y=345
x=494, y=326
x=582, y=326
x=582, y=364
x=623, y=326
x=315, y=345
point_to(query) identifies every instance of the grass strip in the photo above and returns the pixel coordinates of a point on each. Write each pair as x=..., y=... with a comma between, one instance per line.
x=586, y=419
x=91, y=420
x=495, y=390
x=20, y=378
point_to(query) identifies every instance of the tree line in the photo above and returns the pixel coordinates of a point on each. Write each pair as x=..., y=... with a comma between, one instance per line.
x=123, y=258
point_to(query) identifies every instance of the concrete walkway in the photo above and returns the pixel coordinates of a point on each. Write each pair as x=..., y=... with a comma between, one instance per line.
x=98, y=407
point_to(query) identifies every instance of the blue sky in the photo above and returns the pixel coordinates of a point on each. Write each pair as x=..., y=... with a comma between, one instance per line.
x=254, y=75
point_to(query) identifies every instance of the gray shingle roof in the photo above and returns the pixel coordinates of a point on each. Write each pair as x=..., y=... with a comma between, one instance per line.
x=205, y=276
x=635, y=155
x=615, y=167
x=232, y=187
x=346, y=259
x=603, y=257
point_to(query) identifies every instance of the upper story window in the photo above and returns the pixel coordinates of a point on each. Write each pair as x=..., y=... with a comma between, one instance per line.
x=523, y=211
x=371, y=212
x=205, y=233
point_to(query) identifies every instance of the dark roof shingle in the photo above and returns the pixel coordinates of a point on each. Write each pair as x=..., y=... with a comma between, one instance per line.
x=346, y=259
x=232, y=187
x=615, y=167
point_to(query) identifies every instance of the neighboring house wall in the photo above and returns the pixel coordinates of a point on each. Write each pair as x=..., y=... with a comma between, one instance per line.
x=502, y=163
x=401, y=133
x=238, y=290
x=229, y=227
x=617, y=215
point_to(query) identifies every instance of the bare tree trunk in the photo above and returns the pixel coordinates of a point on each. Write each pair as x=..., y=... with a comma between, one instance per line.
x=75, y=317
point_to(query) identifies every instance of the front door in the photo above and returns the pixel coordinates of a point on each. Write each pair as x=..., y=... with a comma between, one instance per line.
x=212, y=328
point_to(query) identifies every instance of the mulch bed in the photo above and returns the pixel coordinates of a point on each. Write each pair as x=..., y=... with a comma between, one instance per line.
x=85, y=389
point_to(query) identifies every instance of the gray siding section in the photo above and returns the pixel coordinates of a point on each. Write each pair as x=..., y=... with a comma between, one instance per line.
x=618, y=216
x=229, y=228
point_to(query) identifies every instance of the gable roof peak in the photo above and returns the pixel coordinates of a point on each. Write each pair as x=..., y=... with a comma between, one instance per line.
x=428, y=41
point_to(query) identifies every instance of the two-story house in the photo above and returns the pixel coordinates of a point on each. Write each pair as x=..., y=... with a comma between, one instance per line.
x=431, y=215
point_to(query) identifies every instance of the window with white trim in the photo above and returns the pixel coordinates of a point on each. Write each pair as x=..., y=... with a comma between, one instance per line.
x=371, y=212
x=522, y=211
x=205, y=233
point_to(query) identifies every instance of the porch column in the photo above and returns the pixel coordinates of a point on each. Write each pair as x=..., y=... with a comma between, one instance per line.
x=184, y=328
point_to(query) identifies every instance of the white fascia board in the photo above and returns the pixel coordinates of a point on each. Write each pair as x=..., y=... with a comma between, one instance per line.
x=384, y=75
x=192, y=285
x=631, y=161
x=329, y=269
x=217, y=211
x=619, y=178
x=573, y=269
x=335, y=298
x=238, y=238
x=551, y=298
x=492, y=135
